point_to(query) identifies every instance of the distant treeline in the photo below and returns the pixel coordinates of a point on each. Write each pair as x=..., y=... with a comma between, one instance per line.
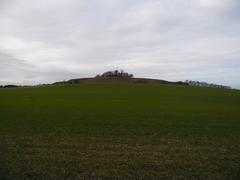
x=12, y=86
x=115, y=73
x=9, y=86
x=205, y=84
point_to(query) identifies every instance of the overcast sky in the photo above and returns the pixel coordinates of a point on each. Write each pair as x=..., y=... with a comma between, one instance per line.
x=49, y=40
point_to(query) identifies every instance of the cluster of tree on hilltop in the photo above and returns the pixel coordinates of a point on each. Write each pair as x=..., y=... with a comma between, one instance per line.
x=205, y=84
x=115, y=73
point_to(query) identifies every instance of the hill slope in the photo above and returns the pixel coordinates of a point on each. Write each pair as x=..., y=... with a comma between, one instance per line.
x=117, y=80
x=122, y=131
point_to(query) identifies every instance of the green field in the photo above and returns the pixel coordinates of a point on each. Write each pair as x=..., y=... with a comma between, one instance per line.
x=123, y=131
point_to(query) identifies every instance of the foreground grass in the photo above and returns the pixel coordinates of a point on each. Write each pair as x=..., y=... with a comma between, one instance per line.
x=119, y=131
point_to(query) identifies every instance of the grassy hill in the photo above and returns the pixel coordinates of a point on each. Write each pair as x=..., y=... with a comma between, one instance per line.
x=119, y=130
x=117, y=80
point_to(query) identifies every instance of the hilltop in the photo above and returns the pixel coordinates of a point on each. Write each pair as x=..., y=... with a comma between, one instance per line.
x=121, y=77
x=117, y=80
x=117, y=77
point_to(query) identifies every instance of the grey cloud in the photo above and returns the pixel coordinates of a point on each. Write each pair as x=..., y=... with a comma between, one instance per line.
x=176, y=40
x=18, y=71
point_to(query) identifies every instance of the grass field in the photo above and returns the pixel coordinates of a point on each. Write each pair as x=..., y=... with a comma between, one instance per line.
x=119, y=132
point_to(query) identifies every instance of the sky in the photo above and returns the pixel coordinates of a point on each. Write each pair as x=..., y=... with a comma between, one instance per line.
x=53, y=40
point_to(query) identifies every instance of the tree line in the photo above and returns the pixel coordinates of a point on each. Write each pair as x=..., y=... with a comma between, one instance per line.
x=9, y=86
x=205, y=84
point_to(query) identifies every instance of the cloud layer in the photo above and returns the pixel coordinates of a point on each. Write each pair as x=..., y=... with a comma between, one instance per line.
x=45, y=41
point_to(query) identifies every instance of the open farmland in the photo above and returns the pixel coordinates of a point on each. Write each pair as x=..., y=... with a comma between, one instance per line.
x=119, y=131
